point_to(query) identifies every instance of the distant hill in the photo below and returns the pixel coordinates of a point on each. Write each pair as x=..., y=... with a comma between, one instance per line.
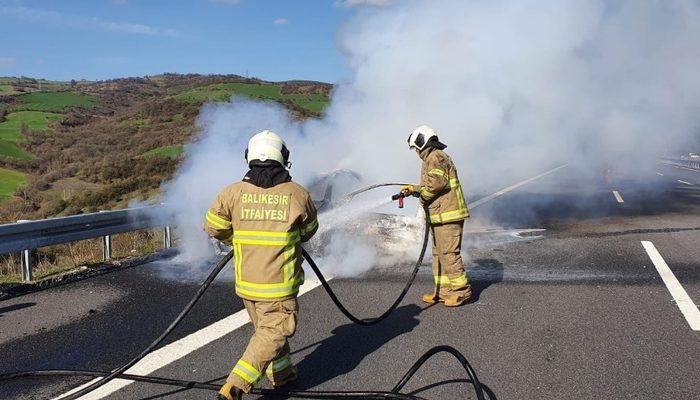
x=80, y=146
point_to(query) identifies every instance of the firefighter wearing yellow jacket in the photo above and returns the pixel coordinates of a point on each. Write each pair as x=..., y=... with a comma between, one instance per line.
x=265, y=218
x=440, y=189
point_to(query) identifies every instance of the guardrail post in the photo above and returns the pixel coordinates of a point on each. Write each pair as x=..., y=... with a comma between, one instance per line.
x=27, y=265
x=107, y=247
x=27, y=260
x=167, y=237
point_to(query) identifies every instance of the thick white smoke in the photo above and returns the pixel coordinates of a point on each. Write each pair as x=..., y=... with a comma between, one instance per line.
x=512, y=87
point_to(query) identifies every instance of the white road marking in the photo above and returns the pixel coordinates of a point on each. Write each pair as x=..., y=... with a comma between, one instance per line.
x=683, y=301
x=182, y=347
x=687, y=183
x=686, y=168
x=659, y=174
x=510, y=188
x=618, y=197
x=179, y=349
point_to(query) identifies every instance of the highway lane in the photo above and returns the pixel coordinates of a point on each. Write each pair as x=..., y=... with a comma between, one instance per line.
x=534, y=338
x=101, y=322
x=581, y=313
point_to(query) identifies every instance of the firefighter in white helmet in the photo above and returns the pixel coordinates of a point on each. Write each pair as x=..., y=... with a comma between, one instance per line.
x=440, y=190
x=265, y=217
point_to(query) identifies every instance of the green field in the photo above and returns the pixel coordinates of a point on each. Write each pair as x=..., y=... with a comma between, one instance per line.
x=12, y=149
x=224, y=91
x=9, y=182
x=7, y=89
x=11, y=130
x=53, y=101
x=165, y=151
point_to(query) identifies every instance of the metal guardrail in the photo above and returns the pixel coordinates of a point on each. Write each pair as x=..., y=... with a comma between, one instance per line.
x=26, y=236
x=692, y=163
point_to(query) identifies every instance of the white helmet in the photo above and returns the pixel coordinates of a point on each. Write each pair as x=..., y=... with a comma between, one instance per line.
x=267, y=145
x=420, y=136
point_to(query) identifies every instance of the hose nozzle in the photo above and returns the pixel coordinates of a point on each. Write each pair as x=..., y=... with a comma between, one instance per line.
x=400, y=196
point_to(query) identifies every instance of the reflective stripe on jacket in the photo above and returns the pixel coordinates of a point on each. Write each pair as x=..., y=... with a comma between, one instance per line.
x=440, y=188
x=266, y=228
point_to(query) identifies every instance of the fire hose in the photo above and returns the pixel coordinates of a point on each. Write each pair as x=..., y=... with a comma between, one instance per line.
x=107, y=376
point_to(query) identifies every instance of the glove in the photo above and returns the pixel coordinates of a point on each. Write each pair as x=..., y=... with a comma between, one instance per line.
x=411, y=190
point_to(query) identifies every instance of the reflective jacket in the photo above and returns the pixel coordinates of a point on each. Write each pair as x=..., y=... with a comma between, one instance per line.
x=440, y=188
x=266, y=228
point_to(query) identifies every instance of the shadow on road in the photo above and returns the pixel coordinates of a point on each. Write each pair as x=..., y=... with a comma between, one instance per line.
x=349, y=345
x=485, y=273
x=15, y=307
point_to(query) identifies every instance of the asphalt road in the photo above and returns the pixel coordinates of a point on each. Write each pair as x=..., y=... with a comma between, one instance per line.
x=578, y=310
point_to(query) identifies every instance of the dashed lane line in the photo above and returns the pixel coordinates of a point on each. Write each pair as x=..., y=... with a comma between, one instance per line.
x=618, y=197
x=188, y=344
x=684, y=182
x=683, y=301
x=659, y=174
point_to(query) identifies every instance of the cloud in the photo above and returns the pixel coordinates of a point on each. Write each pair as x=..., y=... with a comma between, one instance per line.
x=5, y=61
x=229, y=2
x=281, y=21
x=81, y=22
x=358, y=3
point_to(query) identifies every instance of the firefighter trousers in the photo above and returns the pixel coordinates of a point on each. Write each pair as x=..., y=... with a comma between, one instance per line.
x=449, y=274
x=268, y=349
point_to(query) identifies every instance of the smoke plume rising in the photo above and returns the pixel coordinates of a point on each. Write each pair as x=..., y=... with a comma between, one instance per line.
x=512, y=87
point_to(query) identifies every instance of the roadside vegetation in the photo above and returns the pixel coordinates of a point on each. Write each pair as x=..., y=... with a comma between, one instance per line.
x=57, y=259
x=73, y=147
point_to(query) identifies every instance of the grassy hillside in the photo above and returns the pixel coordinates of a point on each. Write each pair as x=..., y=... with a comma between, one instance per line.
x=7, y=89
x=11, y=130
x=224, y=91
x=52, y=101
x=11, y=149
x=165, y=151
x=9, y=182
x=106, y=143
x=24, y=84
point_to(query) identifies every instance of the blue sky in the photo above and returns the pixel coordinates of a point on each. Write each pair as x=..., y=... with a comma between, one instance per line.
x=101, y=39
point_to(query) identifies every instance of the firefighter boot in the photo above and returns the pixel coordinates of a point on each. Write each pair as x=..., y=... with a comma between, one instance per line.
x=431, y=298
x=456, y=300
x=293, y=375
x=229, y=392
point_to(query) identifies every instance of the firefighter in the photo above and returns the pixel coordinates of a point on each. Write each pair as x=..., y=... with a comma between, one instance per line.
x=440, y=190
x=265, y=218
